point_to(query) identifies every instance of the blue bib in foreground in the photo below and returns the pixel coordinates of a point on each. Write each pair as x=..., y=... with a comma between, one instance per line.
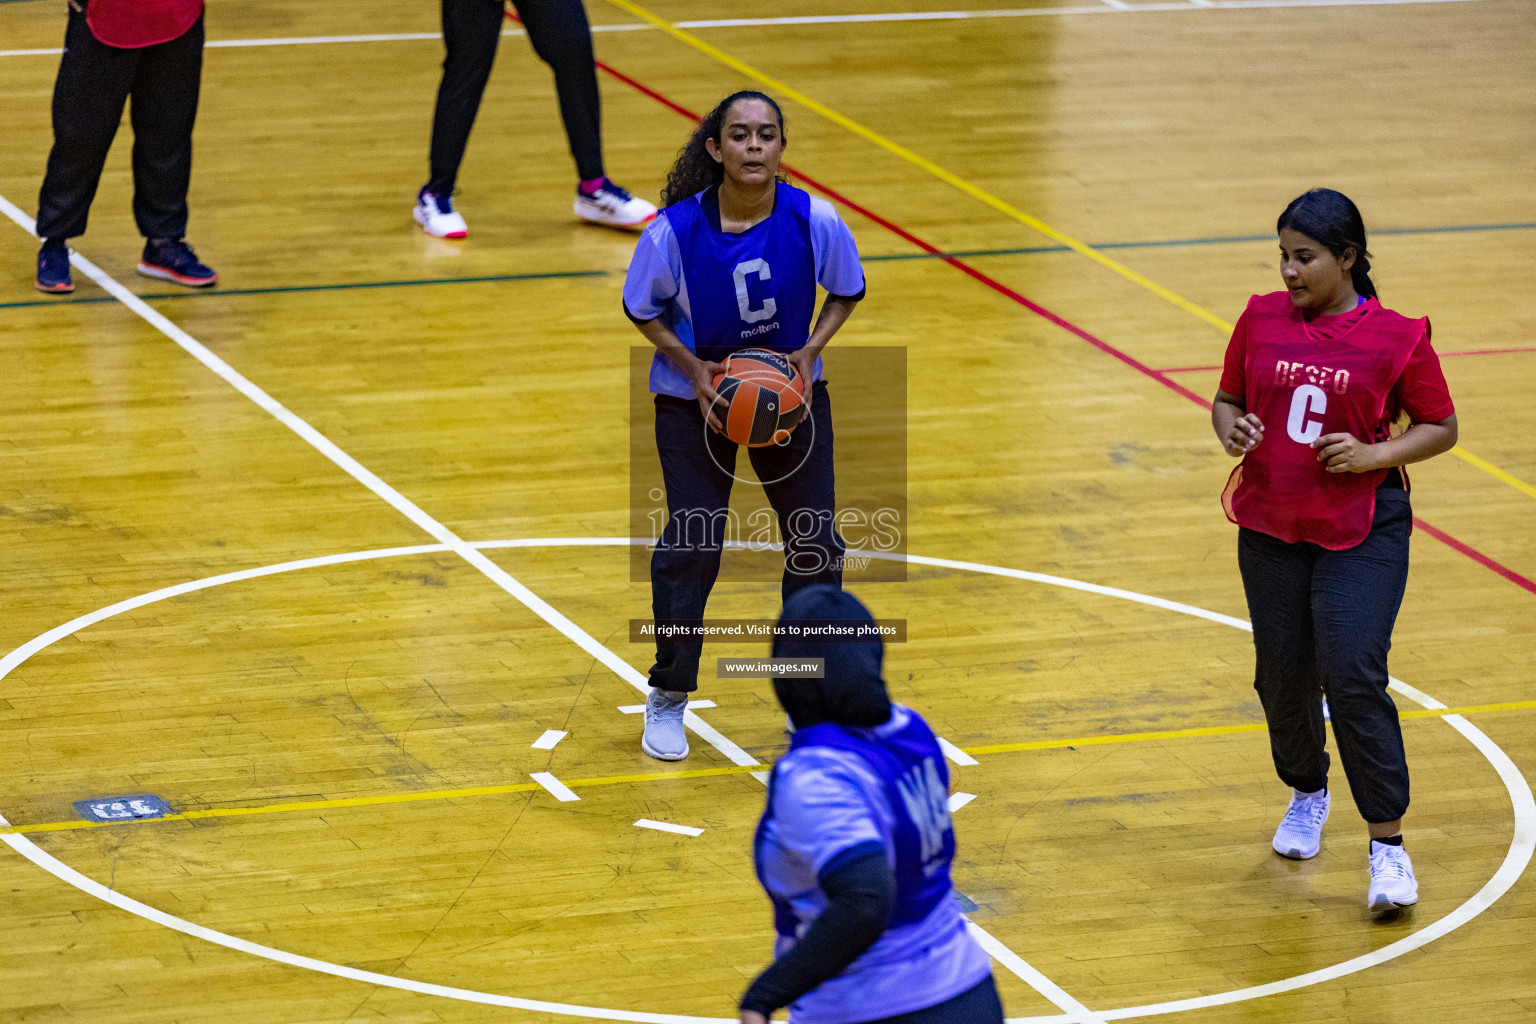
x=844, y=793
x=911, y=768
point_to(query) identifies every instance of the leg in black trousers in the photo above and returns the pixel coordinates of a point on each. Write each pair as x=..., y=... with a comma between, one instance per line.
x=696, y=468
x=1278, y=580
x=1322, y=620
x=1356, y=595
x=799, y=481
x=471, y=30
x=164, y=109
x=561, y=37
x=93, y=83
x=88, y=96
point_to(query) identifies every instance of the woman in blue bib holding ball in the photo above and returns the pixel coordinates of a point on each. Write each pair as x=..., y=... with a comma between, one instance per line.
x=731, y=263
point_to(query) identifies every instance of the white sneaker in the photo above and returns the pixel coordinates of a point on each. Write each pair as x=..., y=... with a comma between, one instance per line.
x=1300, y=834
x=437, y=216
x=613, y=207
x=1392, y=883
x=664, y=738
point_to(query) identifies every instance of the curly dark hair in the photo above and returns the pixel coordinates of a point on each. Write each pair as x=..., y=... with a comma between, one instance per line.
x=695, y=170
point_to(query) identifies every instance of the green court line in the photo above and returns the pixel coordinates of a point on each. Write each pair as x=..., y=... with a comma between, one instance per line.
x=216, y=291
x=1169, y=243
x=1030, y=250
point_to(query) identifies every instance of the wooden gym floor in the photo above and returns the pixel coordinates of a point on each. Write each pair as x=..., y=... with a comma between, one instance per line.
x=347, y=743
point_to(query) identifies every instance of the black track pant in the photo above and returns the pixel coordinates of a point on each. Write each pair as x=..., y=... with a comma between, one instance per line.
x=94, y=82
x=561, y=37
x=696, y=467
x=1322, y=625
x=978, y=1004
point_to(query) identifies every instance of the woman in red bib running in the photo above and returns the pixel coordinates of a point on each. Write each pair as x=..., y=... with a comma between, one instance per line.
x=1314, y=379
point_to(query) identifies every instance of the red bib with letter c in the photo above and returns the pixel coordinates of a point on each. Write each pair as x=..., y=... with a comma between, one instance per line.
x=1335, y=374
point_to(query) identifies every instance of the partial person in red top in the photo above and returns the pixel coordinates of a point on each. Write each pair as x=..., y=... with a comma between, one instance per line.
x=151, y=50
x=1316, y=381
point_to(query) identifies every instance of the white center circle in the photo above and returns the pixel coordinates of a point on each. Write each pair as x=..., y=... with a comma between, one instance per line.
x=1515, y=860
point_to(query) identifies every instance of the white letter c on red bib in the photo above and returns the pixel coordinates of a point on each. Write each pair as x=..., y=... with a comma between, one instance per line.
x=1305, y=423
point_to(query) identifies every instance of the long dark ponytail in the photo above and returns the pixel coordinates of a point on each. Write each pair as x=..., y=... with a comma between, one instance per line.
x=695, y=170
x=1333, y=221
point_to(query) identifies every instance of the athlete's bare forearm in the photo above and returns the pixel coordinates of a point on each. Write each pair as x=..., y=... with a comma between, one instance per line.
x=1344, y=453
x=1419, y=442
x=834, y=313
x=1238, y=430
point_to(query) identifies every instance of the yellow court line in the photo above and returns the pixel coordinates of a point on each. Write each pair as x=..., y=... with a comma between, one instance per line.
x=370, y=801
x=977, y=192
x=1126, y=737
x=1494, y=471
x=1471, y=709
x=918, y=160
x=1224, y=730
x=696, y=773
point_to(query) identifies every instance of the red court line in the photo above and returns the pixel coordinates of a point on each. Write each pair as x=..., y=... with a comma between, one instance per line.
x=1161, y=376
x=1476, y=555
x=963, y=267
x=1491, y=351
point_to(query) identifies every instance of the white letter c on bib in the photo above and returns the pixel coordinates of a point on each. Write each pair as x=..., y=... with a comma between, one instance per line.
x=743, y=302
x=1308, y=404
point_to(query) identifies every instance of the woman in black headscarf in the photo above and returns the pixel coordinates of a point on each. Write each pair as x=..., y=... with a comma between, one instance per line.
x=855, y=845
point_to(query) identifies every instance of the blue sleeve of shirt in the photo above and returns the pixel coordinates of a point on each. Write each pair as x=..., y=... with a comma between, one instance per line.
x=825, y=803
x=838, y=269
x=654, y=272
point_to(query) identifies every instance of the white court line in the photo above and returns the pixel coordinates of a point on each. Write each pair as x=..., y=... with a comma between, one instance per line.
x=665, y=826
x=325, y=446
x=548, y=739
x=1104, y=7
x=1076, y=1011
x=379, y=37
x=639, y=709
x=1515, y=861
x=1054, y=993
x=954, y=753
x=91, y=887
x=559, y=790
x=959, y=800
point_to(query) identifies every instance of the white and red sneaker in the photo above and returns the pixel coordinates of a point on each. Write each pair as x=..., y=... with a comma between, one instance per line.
x=437, y=217
x=613, y=207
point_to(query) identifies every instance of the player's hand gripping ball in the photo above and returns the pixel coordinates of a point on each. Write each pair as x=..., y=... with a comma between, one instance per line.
x=762, y=397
